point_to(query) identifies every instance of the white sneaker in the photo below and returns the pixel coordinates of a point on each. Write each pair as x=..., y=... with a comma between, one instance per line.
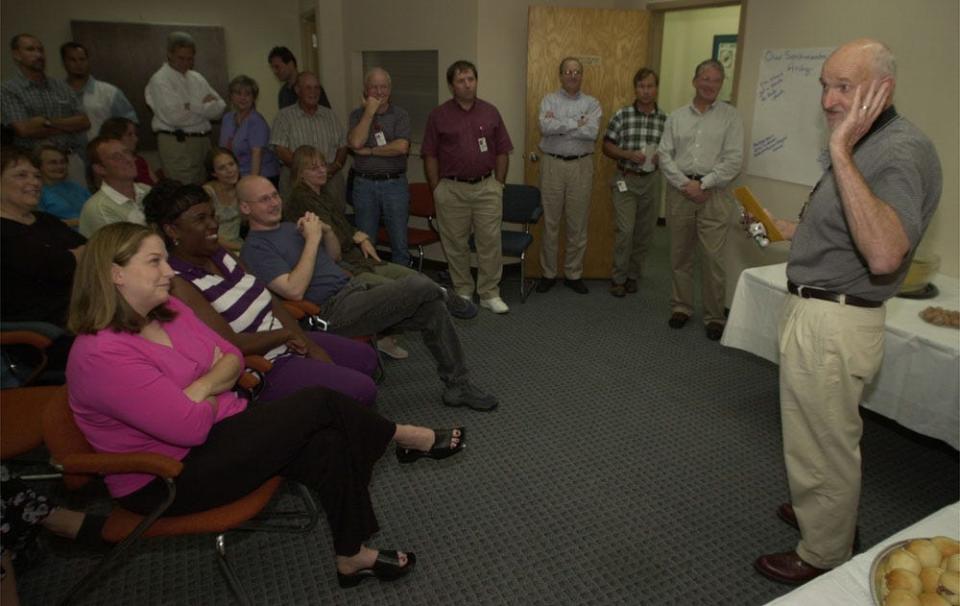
x=495, y=304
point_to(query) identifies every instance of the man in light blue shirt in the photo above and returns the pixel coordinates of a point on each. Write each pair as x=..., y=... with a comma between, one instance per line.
x=569, y=125
x=100, y=100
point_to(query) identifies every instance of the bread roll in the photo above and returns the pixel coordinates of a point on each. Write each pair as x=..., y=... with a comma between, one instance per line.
x=898, y=578
x=946, y=545
x=925, y=550
x=899, y=597
x=930, y=579
x=951, y=562
x=901, y=558
x=950, y=586
x=932, y=599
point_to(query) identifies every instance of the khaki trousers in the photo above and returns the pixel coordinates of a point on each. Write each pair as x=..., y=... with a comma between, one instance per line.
x=635, y=213
x=184, y=160
x=476, y=207
x=828, y=352
x=565, y=188
x=691, y=223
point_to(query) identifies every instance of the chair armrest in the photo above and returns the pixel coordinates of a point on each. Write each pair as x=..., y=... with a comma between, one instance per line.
x=256, y=362
x=306, y=308
x=25, y=337
x=107, y=463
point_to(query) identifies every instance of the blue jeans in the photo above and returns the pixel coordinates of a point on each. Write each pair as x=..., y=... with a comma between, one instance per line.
x=391, y=198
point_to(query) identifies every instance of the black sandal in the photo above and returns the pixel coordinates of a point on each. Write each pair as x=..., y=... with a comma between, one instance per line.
x=441, y=446
x=386, y=568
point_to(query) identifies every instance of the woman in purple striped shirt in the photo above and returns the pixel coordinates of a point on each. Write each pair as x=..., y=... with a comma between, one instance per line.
x=239, y=307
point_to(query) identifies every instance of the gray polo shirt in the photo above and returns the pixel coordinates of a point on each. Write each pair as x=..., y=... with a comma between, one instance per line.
x=294, y=127
x=901, y=166
x=395, y=124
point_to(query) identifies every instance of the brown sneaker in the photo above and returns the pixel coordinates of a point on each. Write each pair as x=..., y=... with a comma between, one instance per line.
x=630, y=286
x=617, y=290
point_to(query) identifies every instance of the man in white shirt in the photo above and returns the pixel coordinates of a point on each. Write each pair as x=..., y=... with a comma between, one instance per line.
x=119, y=197
x=569, y=125
x=701, y=152
x=100, y=100
x=183, y=103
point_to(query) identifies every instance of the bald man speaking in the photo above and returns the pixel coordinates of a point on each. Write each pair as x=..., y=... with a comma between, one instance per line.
x=850, y=251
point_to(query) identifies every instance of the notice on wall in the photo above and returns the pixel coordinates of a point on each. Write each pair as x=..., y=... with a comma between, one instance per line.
x=789, y=136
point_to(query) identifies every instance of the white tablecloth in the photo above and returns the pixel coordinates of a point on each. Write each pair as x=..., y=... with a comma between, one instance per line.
x=849, y=585
x=918, y=384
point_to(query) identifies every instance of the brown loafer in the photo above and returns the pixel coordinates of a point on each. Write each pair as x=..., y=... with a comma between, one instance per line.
x=617, y=290
x=678, y=319
x=787, y=568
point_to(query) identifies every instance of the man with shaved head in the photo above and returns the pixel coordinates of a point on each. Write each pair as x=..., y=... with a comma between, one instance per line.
x=298, y=261
x=851, y=248
x=306, y=122
x=380, y=139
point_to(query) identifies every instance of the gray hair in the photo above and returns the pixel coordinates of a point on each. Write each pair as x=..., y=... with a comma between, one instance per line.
x=884, y=63
x=177, y=40
x=376, y=70
x=708, y=64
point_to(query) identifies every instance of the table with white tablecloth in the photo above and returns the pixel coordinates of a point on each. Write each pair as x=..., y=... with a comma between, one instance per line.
x=849, y=585
x=918, y=384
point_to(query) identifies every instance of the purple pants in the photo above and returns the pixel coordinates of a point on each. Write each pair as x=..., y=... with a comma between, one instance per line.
x=350, y=374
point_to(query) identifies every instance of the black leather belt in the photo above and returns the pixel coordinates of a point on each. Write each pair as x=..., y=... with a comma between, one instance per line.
x=694, y=177
x=568, y=158
x=639, y=173
x=378, y=176
x=469, y=179
x=182, y=135
x=808, y=292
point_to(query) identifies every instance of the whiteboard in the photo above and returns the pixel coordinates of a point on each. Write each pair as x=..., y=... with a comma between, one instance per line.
x=789, y=136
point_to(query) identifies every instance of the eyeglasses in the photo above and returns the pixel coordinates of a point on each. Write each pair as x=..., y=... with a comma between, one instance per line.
x=265, y=198
x=572, y=72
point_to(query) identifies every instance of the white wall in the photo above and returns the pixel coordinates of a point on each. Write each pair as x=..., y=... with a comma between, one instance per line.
x=252, y=28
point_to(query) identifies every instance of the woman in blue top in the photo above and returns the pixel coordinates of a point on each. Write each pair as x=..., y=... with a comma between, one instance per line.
x=60, y=197
x=245, y=132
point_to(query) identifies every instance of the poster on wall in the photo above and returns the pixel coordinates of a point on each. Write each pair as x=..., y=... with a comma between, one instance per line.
x=789, y=136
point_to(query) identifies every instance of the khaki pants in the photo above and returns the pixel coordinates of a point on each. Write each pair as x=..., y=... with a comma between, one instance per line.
x=692, y=223
x=184, y=160
x=828, y=352
x=565, y=188
x=476, y=207
x=635, y=213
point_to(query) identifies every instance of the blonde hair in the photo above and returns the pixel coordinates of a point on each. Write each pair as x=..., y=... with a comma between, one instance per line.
x=304, y=157
x=95, y=302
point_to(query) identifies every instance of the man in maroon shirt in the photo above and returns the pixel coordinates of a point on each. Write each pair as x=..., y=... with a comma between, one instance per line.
x=465, y=158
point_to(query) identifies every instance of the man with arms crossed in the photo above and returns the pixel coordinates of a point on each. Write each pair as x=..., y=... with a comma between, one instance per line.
x=465, y=158
x=183, y=104
x=700, y=153
x=380, y=139
x=298, y=261
x=631, y=139
x=850, y=251
x=569, y=124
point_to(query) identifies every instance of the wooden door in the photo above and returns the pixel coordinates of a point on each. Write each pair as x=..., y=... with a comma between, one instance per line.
x=612, y=45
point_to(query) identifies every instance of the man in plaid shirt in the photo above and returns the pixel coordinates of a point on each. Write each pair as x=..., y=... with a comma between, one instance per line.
x=631, y=139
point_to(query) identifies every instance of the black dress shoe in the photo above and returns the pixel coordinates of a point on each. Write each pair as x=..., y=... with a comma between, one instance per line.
x=714, y=331
x=576, y=286
x=787, y=568
x=386, y=568
x=678, y=320
x=630, y=286
x=786, y=513
x=545, y=284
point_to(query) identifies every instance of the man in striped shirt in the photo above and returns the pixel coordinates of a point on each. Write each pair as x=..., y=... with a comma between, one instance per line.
x=631, y=139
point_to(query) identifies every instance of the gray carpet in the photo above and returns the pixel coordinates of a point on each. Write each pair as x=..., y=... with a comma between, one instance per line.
x=628, y=464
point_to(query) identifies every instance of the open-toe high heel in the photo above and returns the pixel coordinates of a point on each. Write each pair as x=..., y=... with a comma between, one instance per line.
x=441, y=446
x=386, y=568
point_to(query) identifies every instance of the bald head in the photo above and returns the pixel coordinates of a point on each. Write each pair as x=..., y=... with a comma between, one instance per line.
x=851, y=70
x=259, y=202
x=308, y=90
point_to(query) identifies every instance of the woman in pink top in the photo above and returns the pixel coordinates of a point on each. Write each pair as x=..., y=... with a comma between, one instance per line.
x=145, y=375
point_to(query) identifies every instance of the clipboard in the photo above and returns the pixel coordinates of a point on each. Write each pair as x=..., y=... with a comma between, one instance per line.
x=750, y=203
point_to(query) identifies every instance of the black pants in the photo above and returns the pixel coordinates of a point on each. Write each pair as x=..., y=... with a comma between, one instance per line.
x=317, y=437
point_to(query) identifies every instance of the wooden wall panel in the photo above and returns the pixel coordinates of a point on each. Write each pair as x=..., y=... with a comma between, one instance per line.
x=612, y=45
